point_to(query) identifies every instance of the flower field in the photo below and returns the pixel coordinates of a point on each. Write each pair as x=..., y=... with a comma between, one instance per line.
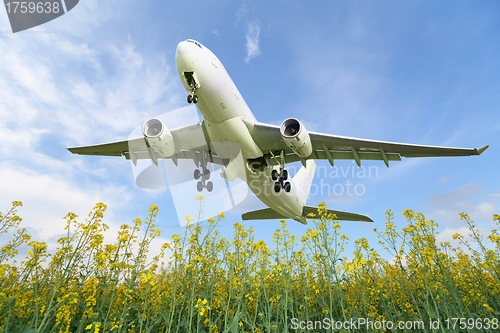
x=202, y=282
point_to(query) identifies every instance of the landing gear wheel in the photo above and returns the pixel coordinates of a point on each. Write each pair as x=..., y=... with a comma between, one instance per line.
x=277, y=187
x=284, y=174
x=199, y=186
x=195, y=99
x=190, y=99
x=210, y=186
x=274, y=174
x=197, y=174
x=206, y=174
x=287, y=187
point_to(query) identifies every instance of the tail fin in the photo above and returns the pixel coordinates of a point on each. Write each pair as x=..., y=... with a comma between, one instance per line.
x=303, y=180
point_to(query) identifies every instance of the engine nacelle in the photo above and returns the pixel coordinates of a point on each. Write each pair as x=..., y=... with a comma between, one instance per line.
x=296, y=137
x=159, y=137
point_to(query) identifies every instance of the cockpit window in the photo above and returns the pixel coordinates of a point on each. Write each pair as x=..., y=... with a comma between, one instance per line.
x=194, y=42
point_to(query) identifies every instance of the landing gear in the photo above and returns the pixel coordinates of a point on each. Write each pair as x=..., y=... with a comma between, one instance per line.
x=275, y=174
x=200, y=186
x=281, y=181
x=210, y=186
x=192, y=99
x=193, y=84
x=280, y=177
x=203, y=174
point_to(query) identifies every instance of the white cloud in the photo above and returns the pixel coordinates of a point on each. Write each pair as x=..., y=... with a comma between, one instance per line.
x=47, y=198
x=54, y=82
x=447, y=236
x=240, y=13
x=472, y=199
x=59, y=88
x=65, y=101
x=68, y=92
x=252, y=32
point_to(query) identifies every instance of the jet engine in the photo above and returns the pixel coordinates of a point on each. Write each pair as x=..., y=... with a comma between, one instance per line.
x=159, y=137
x=296, y=137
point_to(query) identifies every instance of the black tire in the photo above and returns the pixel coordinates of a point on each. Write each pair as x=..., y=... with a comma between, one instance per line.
x=287, y=187
x=274, y=174
x=284, y=174
x=195, y=99
x=277, y=187
x=206, y=174
x=210, y=186
x=197, y=174
x=190, y=99
x=199, y=186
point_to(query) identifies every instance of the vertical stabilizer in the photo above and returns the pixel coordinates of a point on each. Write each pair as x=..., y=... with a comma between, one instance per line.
x=303, y=180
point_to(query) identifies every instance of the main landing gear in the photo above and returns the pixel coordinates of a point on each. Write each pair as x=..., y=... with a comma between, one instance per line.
x=280, y=177
x=203, y=174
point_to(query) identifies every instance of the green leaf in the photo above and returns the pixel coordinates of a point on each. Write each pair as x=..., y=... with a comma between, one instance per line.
x=30, y=330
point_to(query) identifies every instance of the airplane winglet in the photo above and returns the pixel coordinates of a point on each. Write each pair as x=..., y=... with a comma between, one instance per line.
x=482, y=149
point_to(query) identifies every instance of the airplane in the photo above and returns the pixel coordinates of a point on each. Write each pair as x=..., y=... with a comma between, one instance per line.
x=264, y=149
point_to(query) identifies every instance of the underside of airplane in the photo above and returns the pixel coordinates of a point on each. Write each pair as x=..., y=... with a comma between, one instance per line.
x=257, y=153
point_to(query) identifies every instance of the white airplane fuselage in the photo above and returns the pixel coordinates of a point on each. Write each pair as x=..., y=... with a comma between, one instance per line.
x=227, y=119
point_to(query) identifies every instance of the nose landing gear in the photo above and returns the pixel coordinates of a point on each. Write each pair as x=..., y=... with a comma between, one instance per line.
x=193, y=83
x=192, y=98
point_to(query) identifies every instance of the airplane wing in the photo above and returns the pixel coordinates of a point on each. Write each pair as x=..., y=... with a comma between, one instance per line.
x=332, y=147
x=190, y=143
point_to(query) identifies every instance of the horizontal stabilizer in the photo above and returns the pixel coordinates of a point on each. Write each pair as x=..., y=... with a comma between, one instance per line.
x=308, y=212
x=312, y=213
x=262, y=214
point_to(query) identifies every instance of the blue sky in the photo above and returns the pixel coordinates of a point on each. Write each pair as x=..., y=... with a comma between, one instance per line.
x=419, y=72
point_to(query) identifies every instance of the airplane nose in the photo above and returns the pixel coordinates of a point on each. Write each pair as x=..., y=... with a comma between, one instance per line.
x=182, y=48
